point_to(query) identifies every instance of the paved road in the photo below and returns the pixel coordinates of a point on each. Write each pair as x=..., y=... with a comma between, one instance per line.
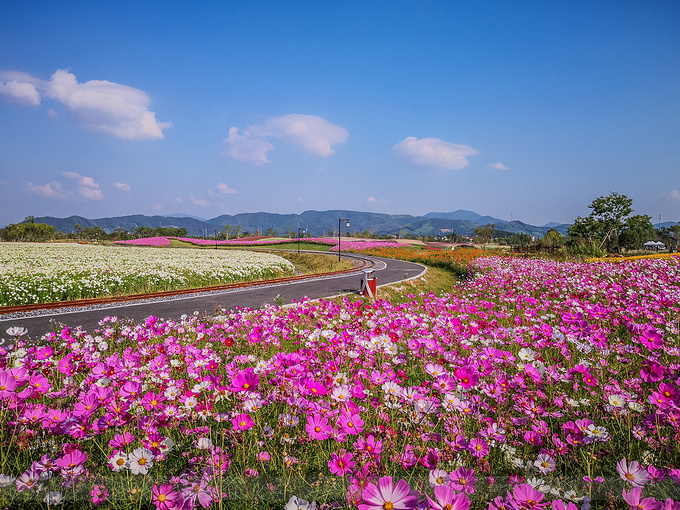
x=386, y=271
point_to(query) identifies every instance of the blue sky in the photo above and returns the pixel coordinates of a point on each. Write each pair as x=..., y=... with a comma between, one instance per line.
x=525, y=110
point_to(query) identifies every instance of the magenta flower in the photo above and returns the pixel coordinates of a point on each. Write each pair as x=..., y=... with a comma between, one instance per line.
x=467, y=377
x=242, y=422
x=632, y=472
x=559, y=505
x=98, y=495
x=245, y=381
x=317, y=427
x=478, y=448
x=164, y=496
x=341, y=463
x=633, y=498
x=351, y=424
x=71, y=460
x=525, y=497
x=386, y=495
x=463, y=480
x=8, y=385
x=446, y=498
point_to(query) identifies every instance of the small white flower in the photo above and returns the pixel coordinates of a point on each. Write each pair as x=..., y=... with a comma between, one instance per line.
x=617, y=400
x=53, y=498
x=119, y=461
x=204, y=443
x=16, y=331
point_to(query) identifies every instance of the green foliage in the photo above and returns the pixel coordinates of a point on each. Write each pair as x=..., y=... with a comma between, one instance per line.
x=161, y=232
x=637, y=230
x=28, y=230
x=520, y=240
x=608, y=218
x=485, y=234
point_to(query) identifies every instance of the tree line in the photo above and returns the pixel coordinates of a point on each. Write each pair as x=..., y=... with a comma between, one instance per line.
x=611, y=227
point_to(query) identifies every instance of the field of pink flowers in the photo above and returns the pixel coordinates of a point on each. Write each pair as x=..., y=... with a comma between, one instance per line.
x=534, y=384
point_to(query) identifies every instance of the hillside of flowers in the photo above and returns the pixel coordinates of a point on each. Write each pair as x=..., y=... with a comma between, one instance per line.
x=49, y=272
x=533, y=384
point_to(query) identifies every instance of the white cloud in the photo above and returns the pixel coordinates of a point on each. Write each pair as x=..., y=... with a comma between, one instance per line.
x=3, y=182
x=434, y=152
x=52, y=114
x=498, y=166
x=675, y=194
x=315, y=134
x=98, y=105
x=200, y=202
x=158, y=207
x=52, y=190
x=225, y=190
x=372, y=200
x=121, y=186
x=244, y=148
x=87, y=188
x=19, y=88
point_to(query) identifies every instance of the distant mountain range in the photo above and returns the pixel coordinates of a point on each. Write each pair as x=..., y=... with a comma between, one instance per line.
x=317, y=223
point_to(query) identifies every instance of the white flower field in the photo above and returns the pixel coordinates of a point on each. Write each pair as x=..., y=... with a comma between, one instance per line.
x=42, y=273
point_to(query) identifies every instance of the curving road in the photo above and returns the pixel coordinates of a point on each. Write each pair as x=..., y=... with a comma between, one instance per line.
x=386, y=271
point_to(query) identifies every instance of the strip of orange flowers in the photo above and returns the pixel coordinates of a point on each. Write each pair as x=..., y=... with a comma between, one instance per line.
x=456, y=261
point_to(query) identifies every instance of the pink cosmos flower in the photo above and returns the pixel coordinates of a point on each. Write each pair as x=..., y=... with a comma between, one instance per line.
x=121, y=440
x=446, y=498
x=71, y=460
x=369, y=445
x=525, y=497
x=387, y=495
x=632, y=472
x=633, y=498
x=341, y=463
x=242, y=422
x=317, y=427
x=245, y=381
x=164, y=497
x=98, y=495
x=651, y=338
x=351, y=423
x=315, y=388
x=467, y=377
x=559, y=505
x=8, y=385
x=463, y=480
x=478, y=447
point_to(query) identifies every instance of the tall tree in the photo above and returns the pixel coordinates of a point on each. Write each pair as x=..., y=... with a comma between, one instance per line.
x=606, y=221
x=637, y=230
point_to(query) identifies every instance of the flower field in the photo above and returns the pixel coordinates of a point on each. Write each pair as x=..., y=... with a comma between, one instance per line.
x=42, y=273
x=534, y=384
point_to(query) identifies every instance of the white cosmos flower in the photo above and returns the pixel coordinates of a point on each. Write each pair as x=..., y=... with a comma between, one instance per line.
x=141, y=460
x=617, y=400
x=119, y=461
x=545, y=463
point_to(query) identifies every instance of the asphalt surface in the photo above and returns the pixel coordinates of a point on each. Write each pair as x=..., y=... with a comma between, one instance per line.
x=386, y=271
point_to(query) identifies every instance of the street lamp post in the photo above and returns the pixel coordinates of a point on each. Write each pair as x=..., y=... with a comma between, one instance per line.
x=340, y=220
x=299, y=230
